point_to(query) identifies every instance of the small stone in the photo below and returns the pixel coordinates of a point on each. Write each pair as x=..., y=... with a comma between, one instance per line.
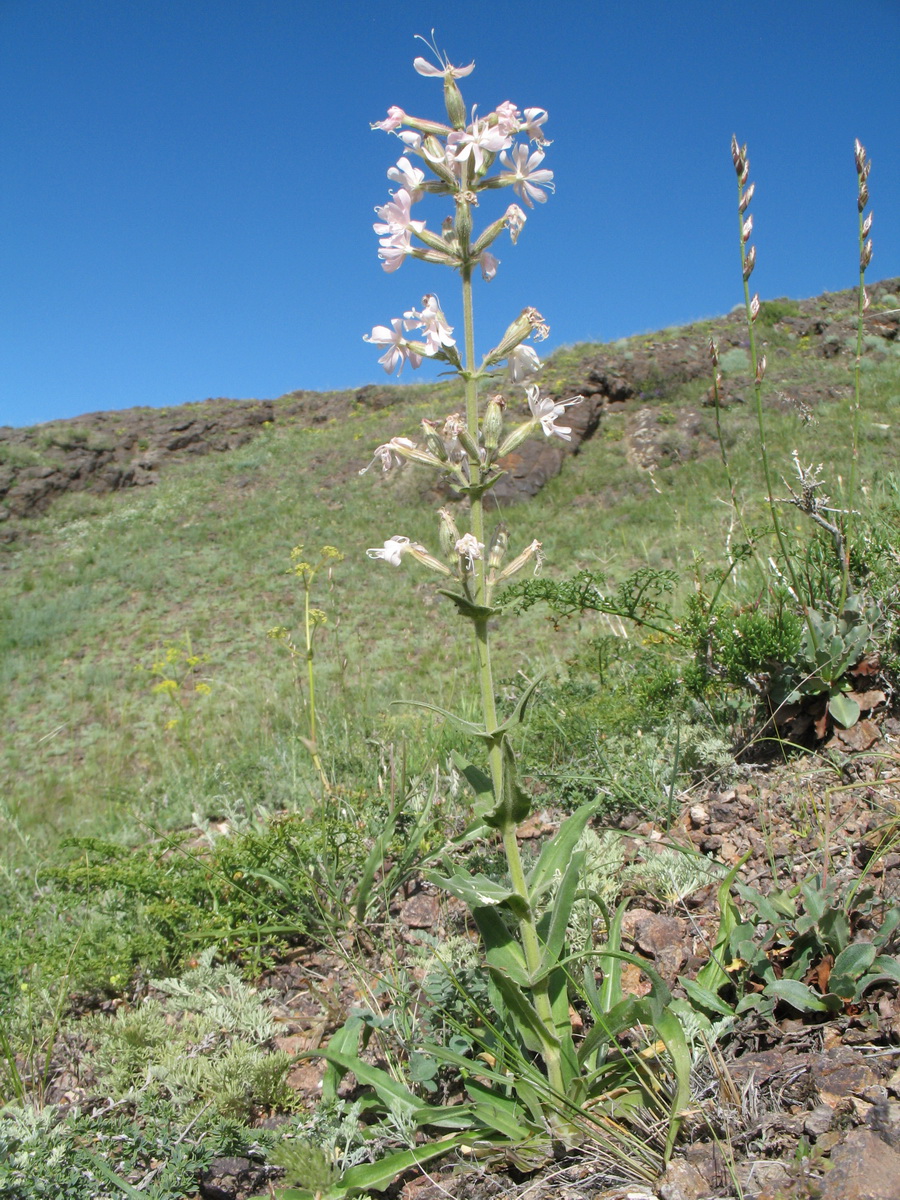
x=420, y=911
x=819, y=1121
x=699, y=816
x=681, y=1181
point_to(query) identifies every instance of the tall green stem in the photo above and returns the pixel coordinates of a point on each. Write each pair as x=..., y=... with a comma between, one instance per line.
x=527, y=927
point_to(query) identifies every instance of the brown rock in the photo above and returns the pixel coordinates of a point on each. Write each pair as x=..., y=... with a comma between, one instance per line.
x=233, y=1179
x=863, y=1168
x=420, y=911
x=681, y=1181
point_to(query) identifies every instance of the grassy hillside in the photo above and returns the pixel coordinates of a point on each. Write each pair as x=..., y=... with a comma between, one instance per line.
x=101, y=586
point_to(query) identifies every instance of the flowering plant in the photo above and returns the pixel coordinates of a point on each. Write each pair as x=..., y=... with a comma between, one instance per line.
x=539, y=1085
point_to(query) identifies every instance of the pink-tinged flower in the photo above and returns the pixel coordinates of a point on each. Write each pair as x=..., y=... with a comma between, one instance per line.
x=398, y=350
x=489, y=265
x=424, y=67
x=395, y=118
x=534, y=119
x=396, y=215
x=394, y=249
x=412, y=139
x=438, y=333
x=526, y=174
x=409, y=177
x=390, y=455
x=522, y=363
x=515, y=221
x=392, y=551
x=479, y=139
x=548, y=411
x=507, y=117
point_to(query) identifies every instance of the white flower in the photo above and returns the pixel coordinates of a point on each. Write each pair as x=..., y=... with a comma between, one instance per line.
x=392, y=551
x=396, y=116
x=411, y=178
x=515, y=221
x=396, y=215
x=437, y=332
x=394, y=249
x=390, y=454
x=508, y=117
x=548, y=411
x=424, y=67
x=469, y=548
x=534, y=118
x=526, y=174
x=522, y=363
x=479, y=139
x=398, y=350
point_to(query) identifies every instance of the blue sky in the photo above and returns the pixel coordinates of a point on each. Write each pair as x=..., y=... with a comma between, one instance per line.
x=187, y=186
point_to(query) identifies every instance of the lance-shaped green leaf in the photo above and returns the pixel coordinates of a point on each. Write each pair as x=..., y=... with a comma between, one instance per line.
x=558, y=850
x=554, y=938
x=501, y=947
x=534, y=1033
x=801, y=997
x=671, y=1031
x=498, y=1111
x=479, y=781
x=713, y=975
x=703, y=998
x=478, y=890
x=468, y=727
x=375, y=1176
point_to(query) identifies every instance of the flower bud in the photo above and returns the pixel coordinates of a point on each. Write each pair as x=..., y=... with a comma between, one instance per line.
x=744, y=175
x=517, y=437
x=749, y=263
x=754, y=307
x=448, y=533
x=488, y=236
x=434, y=154
x=498, y=546
x=760, y=369
x=516, y=333
x=453, y=102
x=867, y=225
x=747, y=229
x=746, y=198
x=865, y=300
x=863, y=197
x=866, y=257
x=469, y=444
x=714, y=352
x=434, y=441
x=738, y=154
x=492, y=425
x=463, y=223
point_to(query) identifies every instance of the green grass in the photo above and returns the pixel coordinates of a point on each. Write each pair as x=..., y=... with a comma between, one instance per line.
x=103, y=584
